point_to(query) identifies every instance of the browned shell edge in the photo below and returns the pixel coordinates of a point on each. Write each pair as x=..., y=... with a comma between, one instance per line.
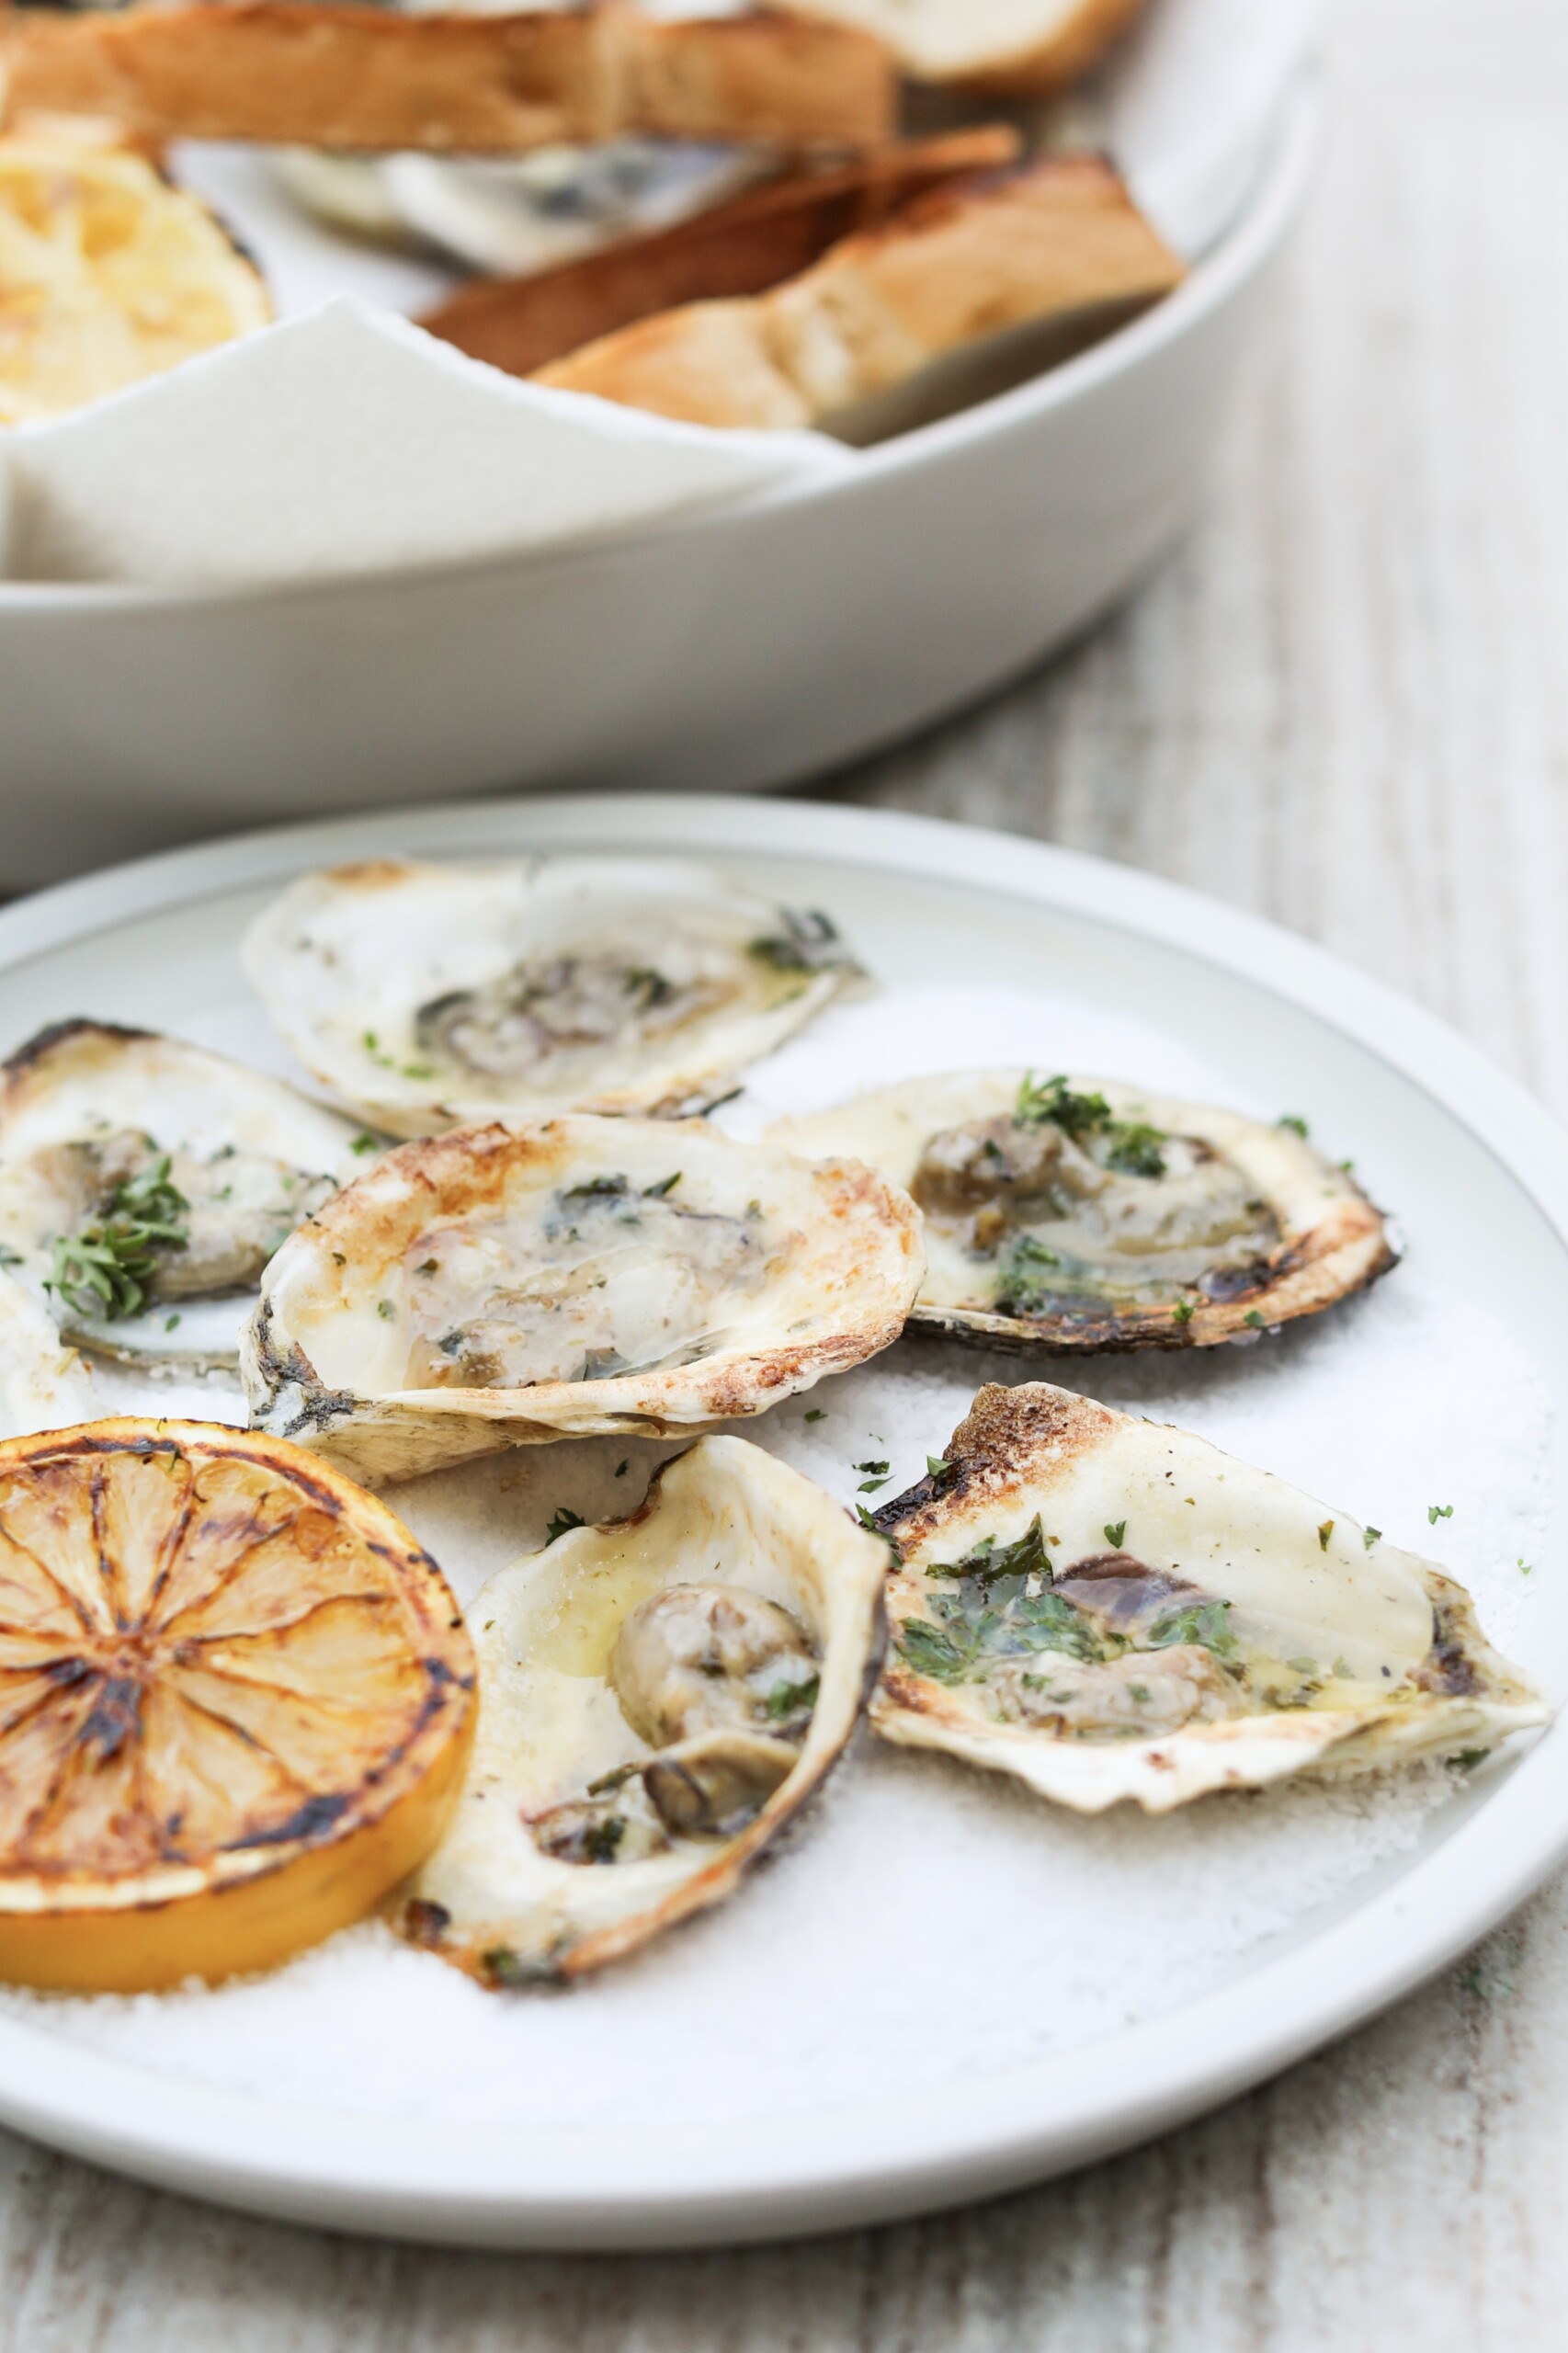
x=990, y=1449
x=47, y=1042
x=1323, y=1266
x=728, y=1867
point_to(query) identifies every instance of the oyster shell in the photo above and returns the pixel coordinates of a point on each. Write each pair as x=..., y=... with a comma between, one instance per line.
x=1079, y=1214
x=658, y=1698
x=431, y=995
x=501, y=1286
x=144, y=1183
x=1112, y=1609
x=44, y=1385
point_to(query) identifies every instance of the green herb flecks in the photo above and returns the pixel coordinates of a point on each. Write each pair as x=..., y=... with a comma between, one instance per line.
x=792, y=1699
x=808, y=942
x=1297, y=1125
x=1435, y=1512
x=1131, y=1147
x=1371, y=1536
x=108, y=1269
x=1183, y=1312
x=1325, y=1532
x=365, y=1143
x=1115, y=1534
x=1252, y=1320
x=1205, y=1623
x=936, y=1468
x=564, y=1522
x=666, y=1185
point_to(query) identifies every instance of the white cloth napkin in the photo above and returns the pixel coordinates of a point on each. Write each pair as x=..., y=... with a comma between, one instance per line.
x=350, y=440
x=345, y=440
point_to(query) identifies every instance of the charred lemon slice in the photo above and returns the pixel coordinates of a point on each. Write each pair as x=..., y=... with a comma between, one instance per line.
x=235, y=1703
x=106, y=274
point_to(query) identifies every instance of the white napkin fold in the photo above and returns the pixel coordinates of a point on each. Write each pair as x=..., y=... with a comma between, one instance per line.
x=350, y=440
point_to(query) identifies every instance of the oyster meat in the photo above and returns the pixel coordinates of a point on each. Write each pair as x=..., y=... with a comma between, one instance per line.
x=144, y=1184
x=431, y=995
x=507, y=1286
x=1110, y=1609
x=1079, y=1214
x=658, y=1698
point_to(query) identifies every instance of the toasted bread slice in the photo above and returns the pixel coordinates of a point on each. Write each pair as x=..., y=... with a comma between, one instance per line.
x=958, y=269
x=353, y=77
x=1005, y=48
x=740, y=247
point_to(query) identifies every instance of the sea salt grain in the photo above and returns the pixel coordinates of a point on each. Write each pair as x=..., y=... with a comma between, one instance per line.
x=913, y=1878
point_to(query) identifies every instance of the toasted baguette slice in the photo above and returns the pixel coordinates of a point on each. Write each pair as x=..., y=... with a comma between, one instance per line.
x=1004, y=48
x=956, y=269
x=743, y=246
x=353, y=77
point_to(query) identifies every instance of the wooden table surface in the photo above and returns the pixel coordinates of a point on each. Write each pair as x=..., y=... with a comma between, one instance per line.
x=1344, y=703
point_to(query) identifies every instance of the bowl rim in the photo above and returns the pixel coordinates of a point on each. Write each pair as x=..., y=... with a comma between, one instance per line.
x=1258, y=228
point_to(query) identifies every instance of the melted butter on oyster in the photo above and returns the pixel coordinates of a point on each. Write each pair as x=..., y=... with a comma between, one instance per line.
x=658, y=1698
x=507, y=1286
x=604, y=1277
x=427, y=995
x=1077, y=1213
x=144, y=1184
x=1110, y=1609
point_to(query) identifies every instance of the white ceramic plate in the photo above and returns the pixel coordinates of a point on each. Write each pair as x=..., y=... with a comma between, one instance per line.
x=1481, y=1177
x=728, y=651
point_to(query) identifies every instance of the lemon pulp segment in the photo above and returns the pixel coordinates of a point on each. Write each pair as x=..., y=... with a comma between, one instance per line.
x=235, y=1702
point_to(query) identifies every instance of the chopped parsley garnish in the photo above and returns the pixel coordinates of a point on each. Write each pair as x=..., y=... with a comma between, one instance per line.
x=1324, y=1531
x=869, y=1525
x=385, y=1310
x=1435, y=1512
x=108, y=1267
x=427, y=1268
x=1371, y=1536
x=1021, y=1289
x=1133, y=1147
x=809, y=942
x=988, y=1563
x=1115, y=1534
x=666, y=1185
x=1203, y=1622
x=365, y=1143
x=936, y=1468
x=817, y=1414
x=1526, y=1568
x=564, y=1522
x=1252, y=1320
x=1467, y=1759
x=171, y=1322
x=1297, y=1125
x=871, y=1466
x=622, y=1468
x=649, y=987
x=788, y=1699
x=1183, y=1312
x=596, y=1188
x=601, y=1838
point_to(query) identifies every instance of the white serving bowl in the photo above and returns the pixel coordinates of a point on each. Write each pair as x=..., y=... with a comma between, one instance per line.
x=738, y=648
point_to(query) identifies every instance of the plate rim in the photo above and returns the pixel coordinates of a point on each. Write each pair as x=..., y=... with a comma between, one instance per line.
x=1260, y=224
x=711, y=2185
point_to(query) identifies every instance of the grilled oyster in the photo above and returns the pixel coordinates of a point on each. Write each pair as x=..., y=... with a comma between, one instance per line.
x=503, y=1286
x=43, y=1384
x=1077, y=1214
x=1112, y=1609
x=431, y=995
x=145, y=1183
x=658, y=1698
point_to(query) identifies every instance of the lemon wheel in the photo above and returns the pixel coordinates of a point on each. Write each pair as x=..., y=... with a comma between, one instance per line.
x=236, y=1700
x=106, y=274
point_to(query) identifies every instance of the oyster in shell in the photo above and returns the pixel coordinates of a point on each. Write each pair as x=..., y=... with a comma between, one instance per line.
x=1112, y=1609
x=44, y=1384
x=431, y=995
x=145, y=1183
x=1078, y=1214
x=658, y=1698
x=503, y=1286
